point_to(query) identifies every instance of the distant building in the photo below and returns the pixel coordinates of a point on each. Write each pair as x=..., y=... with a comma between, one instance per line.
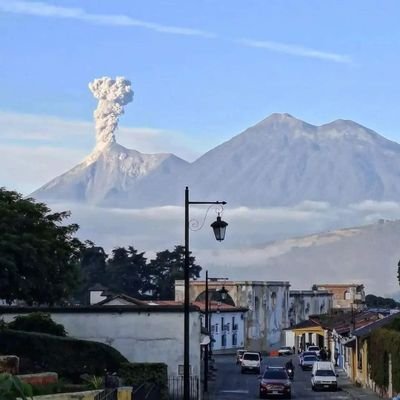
x=226, y=327
x=267, y=303
x=345, y=295
x=303, y=303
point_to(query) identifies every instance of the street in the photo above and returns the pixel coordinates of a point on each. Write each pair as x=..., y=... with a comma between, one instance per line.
x=231, y=384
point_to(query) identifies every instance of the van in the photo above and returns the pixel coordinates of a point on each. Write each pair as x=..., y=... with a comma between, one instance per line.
x=323, y=376
x=251, y=361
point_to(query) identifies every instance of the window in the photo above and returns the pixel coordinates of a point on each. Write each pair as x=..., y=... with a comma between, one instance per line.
x=216, y=328
x=233, y=324
x=234, y=339
x=273, y=299
x=227, y=328
x=347, y=295
x=222, y=323
x=223, y=340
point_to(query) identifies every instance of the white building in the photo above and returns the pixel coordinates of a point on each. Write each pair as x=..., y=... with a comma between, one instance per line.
x=141, y=332
x=226, y=327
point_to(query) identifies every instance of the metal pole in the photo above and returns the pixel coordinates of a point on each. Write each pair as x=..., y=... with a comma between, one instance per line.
x=205, y=381
x=186, y=358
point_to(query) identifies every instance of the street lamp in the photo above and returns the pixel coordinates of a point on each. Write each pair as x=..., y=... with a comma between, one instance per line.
x=223, y=293
x=219, y=228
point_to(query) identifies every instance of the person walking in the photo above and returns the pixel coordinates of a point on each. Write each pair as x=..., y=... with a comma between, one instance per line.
x=336, y=355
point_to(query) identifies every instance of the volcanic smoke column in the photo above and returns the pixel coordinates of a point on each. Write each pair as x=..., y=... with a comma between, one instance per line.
x=113, y=95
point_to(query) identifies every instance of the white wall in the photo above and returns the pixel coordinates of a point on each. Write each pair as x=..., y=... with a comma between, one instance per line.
x=228, y=332
x=139, y=336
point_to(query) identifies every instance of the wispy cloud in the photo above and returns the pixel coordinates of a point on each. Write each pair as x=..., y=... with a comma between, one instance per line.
x=42, y=9
x=295, y=50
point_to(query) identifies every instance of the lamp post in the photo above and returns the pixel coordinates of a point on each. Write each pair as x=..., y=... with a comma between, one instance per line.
x=219, y=228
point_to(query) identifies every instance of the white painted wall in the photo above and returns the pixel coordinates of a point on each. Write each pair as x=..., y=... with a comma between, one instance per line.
x=139, y=336
x=217, y=331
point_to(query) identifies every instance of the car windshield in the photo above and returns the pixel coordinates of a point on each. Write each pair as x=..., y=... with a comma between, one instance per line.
x=310, y=358
x=325, y=372
x=241, y=352
x=251, y=356
x=275, y=374
x=313, y=348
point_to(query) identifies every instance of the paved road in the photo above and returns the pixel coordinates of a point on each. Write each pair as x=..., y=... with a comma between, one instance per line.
x=231, y=384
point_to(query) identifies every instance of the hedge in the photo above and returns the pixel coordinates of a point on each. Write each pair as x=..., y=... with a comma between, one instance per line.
x=136, y=374
x=381, y=343
x=68, y=357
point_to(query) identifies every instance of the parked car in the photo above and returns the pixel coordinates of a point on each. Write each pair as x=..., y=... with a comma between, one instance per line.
x=275, y=381
x=308, y=362
x=285, y=351
x=315, y=349
x=251, y=361
x=239, y=355
x=323, y=376
x=303, y=354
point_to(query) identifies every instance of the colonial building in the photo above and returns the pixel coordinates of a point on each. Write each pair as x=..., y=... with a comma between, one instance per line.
x=345, y=295
x=267, y=303
x=303, y=303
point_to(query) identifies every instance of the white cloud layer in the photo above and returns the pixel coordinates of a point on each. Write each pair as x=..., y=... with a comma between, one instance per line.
x=251, y=250
x=42, y=9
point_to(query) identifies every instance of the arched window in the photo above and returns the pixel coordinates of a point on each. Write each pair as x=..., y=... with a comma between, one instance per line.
x=273, y=299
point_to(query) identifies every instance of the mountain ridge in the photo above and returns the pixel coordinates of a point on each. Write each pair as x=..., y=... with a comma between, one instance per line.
x=280, y=161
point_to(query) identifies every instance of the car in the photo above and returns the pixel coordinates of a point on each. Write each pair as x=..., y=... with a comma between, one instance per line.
x=285, y=351
x=251, y=361
x=275, y=382
x=315, y=349
x=239, y=355
x=305, y=353
x=308, y=362
x=323, y=376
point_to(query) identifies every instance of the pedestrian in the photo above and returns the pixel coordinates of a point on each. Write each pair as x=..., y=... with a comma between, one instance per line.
x=322, y=354
x=329, y=354
x=294, y=350
x=336, y=355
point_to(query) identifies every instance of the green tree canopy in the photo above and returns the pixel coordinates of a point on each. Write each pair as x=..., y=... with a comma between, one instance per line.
x=37, y=322
x=39, y=254
x=128, y=272
x=167, y=267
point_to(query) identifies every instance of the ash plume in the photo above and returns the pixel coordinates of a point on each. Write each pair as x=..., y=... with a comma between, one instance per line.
x=113, y=95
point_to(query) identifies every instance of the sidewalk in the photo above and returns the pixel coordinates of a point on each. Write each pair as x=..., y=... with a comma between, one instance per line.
x=355, y=392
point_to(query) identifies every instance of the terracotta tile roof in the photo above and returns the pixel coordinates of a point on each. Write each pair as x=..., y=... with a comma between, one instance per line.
x=217, y=306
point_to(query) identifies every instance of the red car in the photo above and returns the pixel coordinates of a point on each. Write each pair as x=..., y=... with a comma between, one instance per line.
x=275, y=382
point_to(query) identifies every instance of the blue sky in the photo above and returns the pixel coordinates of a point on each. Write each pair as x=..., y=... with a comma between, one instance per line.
x=202, y=71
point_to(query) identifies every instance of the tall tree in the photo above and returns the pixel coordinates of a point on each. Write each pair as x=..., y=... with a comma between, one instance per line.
x=39, y=254
x=92, y=270
x=128, y=272
x=167, y=267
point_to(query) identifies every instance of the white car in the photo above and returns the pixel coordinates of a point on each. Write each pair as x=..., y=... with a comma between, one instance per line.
x=251, y=361
x=315, y=349
x=285, y=351
x=323, y=376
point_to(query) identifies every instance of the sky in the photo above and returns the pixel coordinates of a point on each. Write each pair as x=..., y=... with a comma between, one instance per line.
x=201, y=71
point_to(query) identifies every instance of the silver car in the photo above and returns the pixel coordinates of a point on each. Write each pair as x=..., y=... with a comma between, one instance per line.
x=308, y=362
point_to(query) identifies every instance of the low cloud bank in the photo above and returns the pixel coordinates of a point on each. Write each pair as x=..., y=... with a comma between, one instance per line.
x=257, y=245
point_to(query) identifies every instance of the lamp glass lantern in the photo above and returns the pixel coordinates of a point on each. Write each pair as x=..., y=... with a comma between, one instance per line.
x=223, y=293
x=219, y=228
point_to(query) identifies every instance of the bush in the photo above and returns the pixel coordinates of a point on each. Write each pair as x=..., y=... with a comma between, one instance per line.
x=11, y=388
x=136, y=374
x=67, y=356
x=37, y=322
x=381, y=343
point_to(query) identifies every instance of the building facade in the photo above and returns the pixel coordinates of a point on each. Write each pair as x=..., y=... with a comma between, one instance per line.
x=303, y=303
x=345, y=295
x=267, y=303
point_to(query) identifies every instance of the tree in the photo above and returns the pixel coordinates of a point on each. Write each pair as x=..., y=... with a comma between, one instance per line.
x=37, y=322
x=39, y=254
x=128, y=272
x=167, y=267
x=93, y=264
